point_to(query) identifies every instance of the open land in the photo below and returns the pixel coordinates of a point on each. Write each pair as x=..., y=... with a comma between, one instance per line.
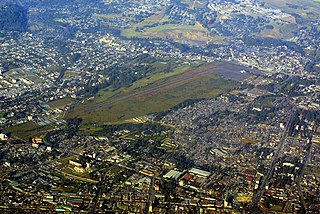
x=61, y=103
x=304, y=8
x=164, y=128
x=156, y=26
x=161, y=94
x=28, y=130
x=179, y=33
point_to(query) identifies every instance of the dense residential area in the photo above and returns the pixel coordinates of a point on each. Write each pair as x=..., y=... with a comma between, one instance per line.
x=167, y=106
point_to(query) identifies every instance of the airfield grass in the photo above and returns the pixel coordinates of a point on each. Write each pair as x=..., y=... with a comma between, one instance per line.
x=26, y=130
x=151, y=95
x=110, y=92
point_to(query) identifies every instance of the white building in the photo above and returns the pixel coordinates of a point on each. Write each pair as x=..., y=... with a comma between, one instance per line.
x=3, y=137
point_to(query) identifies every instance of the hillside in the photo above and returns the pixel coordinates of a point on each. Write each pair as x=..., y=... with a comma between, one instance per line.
x=13, y=17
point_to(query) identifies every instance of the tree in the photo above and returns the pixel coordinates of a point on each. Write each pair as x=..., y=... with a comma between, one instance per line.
x=13, y=18
x=72, y=127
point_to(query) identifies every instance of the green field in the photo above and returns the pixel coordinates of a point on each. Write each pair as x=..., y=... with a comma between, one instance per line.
x=158, y=75
x=304, y=8
x=155, y=26
x=279, y=31
x=61, y=103
x=190, y=34
x=27, y=130
x=70, y=74
x=158, y=93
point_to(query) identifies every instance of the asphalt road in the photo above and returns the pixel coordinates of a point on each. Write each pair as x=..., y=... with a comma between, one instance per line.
x=152, y=196
x=256, y=199
x=299, y=177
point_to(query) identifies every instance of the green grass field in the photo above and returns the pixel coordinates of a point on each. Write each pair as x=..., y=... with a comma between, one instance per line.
x=279, y=31
x=157, y=76
x=156, y=93
x=304, y=8
x=191, y=34
x=70, y=74
x=60, y=103
x=27, y=130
